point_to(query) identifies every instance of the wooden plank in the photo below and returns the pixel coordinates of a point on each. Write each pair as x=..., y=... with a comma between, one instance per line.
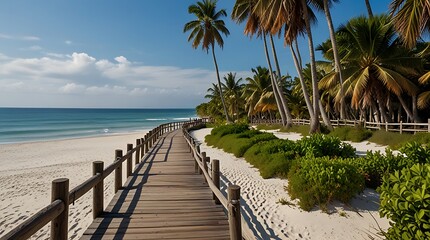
x=163, y=199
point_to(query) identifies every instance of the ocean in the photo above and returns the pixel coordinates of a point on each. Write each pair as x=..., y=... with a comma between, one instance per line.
x=41, y=124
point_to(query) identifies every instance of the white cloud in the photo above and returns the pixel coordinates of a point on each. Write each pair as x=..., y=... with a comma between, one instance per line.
x=121, y=59
x=101, y=82
x=72, y=88
x=21, y=38
x=32, y=48
x=68, y=42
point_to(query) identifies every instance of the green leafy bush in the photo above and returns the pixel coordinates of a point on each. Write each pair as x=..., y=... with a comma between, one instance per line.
x=229, y=129
x=317, y=181
x=272, y=158
x=238, y=144
x=405, y=199
x=416, y=153
x=218, y=132
x=319, y=145
x=375, y=165
x=354, y=134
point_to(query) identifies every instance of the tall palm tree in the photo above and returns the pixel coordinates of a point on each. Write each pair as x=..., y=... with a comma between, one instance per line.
x=232, y=88
x=244, y=10
x=258, y=92
x=337, y=65
x=206, y=30
x=411, y=18
x=296, y=17
x=376, y=66
x=369, y=8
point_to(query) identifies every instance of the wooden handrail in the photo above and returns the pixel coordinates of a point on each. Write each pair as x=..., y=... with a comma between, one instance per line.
x=247, y=233
x=36, y=222
x=389, y=127
x=47, y=214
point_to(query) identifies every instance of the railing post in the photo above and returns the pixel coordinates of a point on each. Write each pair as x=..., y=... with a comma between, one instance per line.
x=60, y=224
x=386, y=126
x=428, y=125
x=137, y=160
x=142, y=148
x=150, y=139
x=206, y=160
x=118, y=171
x=129, y=159
x=146, y=143
x=196, y=165
x=215, y=177
x=98, y=194
x=234, y=212
x=202, y=161
x=401, y=127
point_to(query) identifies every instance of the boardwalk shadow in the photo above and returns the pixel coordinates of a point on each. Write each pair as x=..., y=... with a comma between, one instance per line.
x=134, y=184
x=259, y=231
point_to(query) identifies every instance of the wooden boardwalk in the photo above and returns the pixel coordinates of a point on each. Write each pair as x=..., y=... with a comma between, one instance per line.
x=163, y=199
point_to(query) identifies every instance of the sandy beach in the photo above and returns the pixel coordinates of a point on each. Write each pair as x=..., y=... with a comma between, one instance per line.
x=271, y=220
x=27, y=170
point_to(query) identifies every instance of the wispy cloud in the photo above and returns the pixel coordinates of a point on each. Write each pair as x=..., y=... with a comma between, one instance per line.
x=32, y=48
x=68, y=42
x=21, y=38
x=118, y=82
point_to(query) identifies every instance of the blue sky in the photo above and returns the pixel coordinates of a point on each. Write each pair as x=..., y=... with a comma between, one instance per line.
x=120, y=54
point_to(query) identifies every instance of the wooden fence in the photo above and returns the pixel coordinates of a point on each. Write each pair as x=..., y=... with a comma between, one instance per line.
x=58, y=211
x=237, y=225
x=389, y=127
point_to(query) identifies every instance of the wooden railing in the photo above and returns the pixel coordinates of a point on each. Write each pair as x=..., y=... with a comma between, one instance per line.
x=237, y=225
x=58, y=211
x=389, y=127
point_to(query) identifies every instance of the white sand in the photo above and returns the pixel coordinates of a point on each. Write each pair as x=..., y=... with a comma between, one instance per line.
x=271, y=220
x=27, y=170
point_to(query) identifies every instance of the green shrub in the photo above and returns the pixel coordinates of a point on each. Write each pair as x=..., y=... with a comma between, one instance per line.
x=229, y=129
x=405, y=199
x=272, y=158
x=319, y=145
x=218, y=132
x=354, y=134
x=375, y=165
x=302, y=129
x=317, y=181
x=269, y=126
x=416, y=153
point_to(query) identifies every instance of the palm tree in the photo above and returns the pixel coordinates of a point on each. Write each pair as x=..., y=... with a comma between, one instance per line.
x=206, y=31
x=411, y=18
x=337, y=65
x=369, y=8
x=214, y=105
x=258, y=92
x=376, y=66
x=233, y=90
x=295, y=16
x=244, y=10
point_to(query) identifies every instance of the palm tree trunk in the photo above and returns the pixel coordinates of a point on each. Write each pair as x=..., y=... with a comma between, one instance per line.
x=369, y=8
x=414, y=109
x=273, y=81
x=281, y=95
x=324, y=116
x=315, y=124
x=337, y=65
x=219, y=85
x=302, y=82
x=407, y=110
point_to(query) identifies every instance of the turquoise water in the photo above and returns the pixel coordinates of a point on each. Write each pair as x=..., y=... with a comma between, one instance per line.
x=40, y=124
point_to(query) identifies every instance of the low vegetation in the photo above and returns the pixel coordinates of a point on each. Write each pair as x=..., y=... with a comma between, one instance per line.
x=321, y=168
x=405, y=200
